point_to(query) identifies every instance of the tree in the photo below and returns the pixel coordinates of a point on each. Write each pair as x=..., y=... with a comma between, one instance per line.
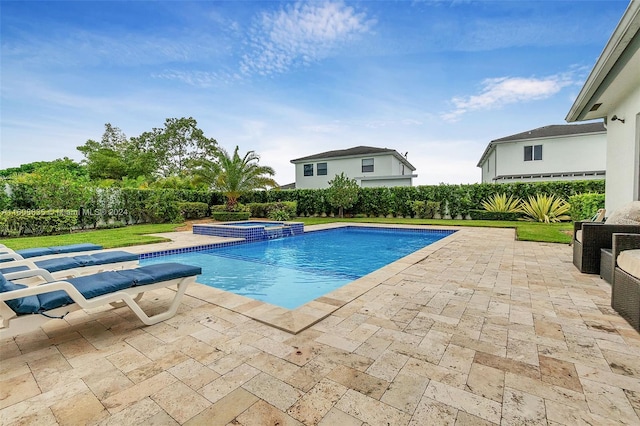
x=233, y=175
x=64, y=164
x=116, y=157
x=180, y=146
x=174, y=150
x=343, y=192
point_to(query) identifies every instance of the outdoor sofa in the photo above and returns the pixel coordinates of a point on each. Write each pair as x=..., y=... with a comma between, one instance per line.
x=591, y=237
x=25, y=308
x=625, y=291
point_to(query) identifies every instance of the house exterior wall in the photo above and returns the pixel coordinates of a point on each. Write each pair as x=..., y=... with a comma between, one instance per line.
x=384, y=166
x=389, y=182
x=489, y=167
x=566, y=154
x=623, y=154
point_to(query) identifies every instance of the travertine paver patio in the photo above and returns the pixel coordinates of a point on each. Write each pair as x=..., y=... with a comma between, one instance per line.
x=484, y=330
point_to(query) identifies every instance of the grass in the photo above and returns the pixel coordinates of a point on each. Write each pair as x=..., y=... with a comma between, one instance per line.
x=108, y=238
x=525, y=231
x=135, y=234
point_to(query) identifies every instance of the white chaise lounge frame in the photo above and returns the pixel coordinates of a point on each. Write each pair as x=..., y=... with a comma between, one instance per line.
x=14, y=324
x=74, y=272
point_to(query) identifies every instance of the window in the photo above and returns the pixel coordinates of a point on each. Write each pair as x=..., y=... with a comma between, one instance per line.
x=308, y=169
x=533, y=153
x=322, y=169
x=367, y=165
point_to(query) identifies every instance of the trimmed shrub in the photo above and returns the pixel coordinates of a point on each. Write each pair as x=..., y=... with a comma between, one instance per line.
x=585, y=206
x=281, y=211
x=487, y=215
x=193, y=210
x=425, y=209
x=264, y=209
x=14, y=223
x=224, y=216
x=161, y=206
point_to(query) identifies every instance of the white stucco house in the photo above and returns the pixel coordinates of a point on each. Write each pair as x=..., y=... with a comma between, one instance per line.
x=547, y=153
x=369, y=166
x=612, y=92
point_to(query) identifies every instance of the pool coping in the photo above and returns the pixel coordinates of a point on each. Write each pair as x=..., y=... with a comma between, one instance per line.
x=296, y=320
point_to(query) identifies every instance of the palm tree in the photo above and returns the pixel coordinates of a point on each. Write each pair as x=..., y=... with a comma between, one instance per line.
x=234, y=175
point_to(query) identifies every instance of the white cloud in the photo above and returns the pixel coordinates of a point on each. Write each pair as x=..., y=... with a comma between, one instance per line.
x=498, y=92
x=300, y=34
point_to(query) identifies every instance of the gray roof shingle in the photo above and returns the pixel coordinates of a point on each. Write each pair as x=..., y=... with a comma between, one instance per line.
x=357, y=150
x=555, y=130
x=353, y=152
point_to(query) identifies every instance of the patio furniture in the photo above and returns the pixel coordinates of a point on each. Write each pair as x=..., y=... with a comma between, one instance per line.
x=6, y=254
x=24, y=308
x=75, y=265
x=589, y=238
x=606, y=265
x=625, y=292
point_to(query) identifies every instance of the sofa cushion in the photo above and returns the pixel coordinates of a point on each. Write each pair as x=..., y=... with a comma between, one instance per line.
x=626, y=215
x=579, y=236
x=629, y=261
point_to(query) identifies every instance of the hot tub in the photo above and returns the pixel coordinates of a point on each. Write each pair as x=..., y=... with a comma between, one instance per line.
x=250, y=230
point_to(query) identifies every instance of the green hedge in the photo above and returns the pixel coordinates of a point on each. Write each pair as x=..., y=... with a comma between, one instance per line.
x=107, y=205
x=264, y=209
x=485, y=215
x=230, y=216
x=193, y=210
x=14, y=223
x=585, y=206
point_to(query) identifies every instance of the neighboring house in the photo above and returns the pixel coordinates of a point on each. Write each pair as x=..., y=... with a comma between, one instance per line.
x=612, y=92
x=369, y=166
x=558, y=152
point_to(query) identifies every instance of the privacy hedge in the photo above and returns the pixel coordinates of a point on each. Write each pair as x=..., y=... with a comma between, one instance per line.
x=230, y=216
x=14, y=223
x=485, y=215
x=263, y=209
x=107, y=205
x=193, y=210
x=585, y=206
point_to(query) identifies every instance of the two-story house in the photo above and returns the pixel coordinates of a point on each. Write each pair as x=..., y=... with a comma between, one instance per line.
x=612, y=92
x=369, y=166
x=557, y=152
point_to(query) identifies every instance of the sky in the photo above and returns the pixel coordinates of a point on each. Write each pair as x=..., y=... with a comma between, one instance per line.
x=436, y=79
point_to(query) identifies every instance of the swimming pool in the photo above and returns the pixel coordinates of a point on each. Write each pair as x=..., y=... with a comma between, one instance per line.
x=290, y=272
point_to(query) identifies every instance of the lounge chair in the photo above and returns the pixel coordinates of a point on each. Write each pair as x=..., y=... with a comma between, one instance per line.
x=25, y=308
x=625, y=288
x=6, y=254
x=70, y=266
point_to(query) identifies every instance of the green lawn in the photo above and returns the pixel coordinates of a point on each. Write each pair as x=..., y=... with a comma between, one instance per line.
x=108, y=238
x=525, y=231
x=134, y=235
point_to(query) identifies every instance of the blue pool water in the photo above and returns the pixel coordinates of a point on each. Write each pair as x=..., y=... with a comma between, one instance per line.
x=290, y=272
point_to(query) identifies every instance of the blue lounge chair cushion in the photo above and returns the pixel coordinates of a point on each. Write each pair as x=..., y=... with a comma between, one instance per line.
x=105, y=257
x=111, y=281
x=11, y=269
x=21, y=305
x=70, y=262
x=71, y=248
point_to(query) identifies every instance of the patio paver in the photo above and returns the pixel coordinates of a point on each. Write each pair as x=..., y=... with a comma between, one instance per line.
x=479, y=329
